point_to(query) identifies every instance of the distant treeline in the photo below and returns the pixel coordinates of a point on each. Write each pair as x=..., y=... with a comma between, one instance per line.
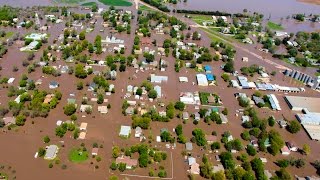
x=157, y=4
x=215, y=13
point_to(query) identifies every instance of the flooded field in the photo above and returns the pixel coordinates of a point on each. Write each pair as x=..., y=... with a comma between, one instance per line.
x=19, y=146
x=270, y=8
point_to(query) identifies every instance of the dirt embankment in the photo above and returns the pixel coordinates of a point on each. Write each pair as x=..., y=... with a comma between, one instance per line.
x=316, y=2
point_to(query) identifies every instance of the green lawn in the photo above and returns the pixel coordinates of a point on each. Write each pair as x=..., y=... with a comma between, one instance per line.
x=274, y=26
x=204, y=97
x=145, y=8
x=116, y=2
x=214, y=35
x=78, y=155
x=89, y=4
x=199, y=19
x=4, y=176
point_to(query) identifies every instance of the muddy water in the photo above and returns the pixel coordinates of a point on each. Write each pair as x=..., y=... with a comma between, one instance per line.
x=274, y=8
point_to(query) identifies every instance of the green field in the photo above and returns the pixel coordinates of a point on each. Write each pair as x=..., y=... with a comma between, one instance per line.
x=145, y=8
x=214, y=35
x=78, y=155
x=116, y=2
x=274, y=26
x=89, y=4
x=199, y=19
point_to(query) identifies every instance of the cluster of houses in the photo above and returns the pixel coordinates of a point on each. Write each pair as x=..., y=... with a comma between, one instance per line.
x=313, y=82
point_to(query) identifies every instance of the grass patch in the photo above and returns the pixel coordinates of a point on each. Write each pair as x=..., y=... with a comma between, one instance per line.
x=89, y=4
x=199, y=19
x=78, y=155
x=204, y=98
x=145, y=8
x=317, y=73
x=214, y=35
x=116, y=2
x=4, y=176
x=274, y=26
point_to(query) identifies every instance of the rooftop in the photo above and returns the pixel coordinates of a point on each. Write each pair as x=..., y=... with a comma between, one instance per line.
x=297, y=103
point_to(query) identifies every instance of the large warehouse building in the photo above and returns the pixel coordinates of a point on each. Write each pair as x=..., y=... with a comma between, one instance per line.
x=298, y=103
x=310, y=119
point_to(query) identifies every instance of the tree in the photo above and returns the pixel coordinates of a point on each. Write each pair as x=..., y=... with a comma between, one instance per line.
x=139, y=91
x=215, y=145
x=113, y=166
x=46, y=139
x=80, y=85
x=283, y=174
x=306, y=149
x=227, y=160
x=82, y=35
x=115, y=151
x=41, y=152
x=229, y=67
x=20, y=120
x=143, y=160
x=162, y=174
x=152, y=94
x=258, y=168
x=199, y=136
x=80, y=71
x=245, y=135
x=251, y=150
x=122, y=167
x=69, y=109
x=271, y=121
x=100, y=98
x=179, y=105
x=293, y=127
x=178, y=129
x=142, y=122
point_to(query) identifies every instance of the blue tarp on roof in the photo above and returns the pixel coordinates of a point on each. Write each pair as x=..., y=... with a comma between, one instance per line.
x=207, y=68
x=210, y=77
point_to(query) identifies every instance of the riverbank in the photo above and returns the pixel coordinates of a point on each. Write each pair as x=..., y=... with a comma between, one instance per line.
x=315, y=2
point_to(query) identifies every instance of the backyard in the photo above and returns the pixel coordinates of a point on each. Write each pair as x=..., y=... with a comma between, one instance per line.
x=116, y=3
x=78, y=155
x=274, y=26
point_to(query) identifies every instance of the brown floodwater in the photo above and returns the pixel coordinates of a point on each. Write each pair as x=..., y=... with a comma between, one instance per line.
x=275, y=9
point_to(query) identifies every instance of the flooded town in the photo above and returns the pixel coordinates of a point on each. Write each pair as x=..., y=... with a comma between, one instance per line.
x=160, y=89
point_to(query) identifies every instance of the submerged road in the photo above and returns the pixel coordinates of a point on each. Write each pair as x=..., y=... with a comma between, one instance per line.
x=237, y=46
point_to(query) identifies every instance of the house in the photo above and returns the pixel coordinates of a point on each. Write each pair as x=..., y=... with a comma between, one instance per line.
x=158, y=79
x=208, y=69
x=283, y=123
x=138, y=132
x=202, y=80
x=254, y=141
x=189, y=146
x=125, y=131
x=82, y=135
x=183, y=79
x=130, y=163
x=218, y=168
x=48, y=98
x=51, y=152
x=197, y=116
x=245, y=59
x=94, y=151
x=245, y=119
x=129, y=111
x=158, y=90
x=185, y=115
x=224, y=118
x=191, y=160
x=285, y=150
x=83, y=126
x=11, y=80
x=30, y=46
x=9, y=120
x=83, y=107
x=36, y=36
x=53, y=85
x=195, y=168
x=103, y=109
x=211, y=139
x=291, y=146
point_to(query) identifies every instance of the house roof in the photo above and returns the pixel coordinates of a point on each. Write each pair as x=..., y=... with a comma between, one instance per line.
x=95, y=151
x=210, y=77
x=191, y=160
x=83, y=125
x=82, y=135
x=125, y=130
x=127, y=160
x=211, y=138
x=189, y=146
x=51, y=152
